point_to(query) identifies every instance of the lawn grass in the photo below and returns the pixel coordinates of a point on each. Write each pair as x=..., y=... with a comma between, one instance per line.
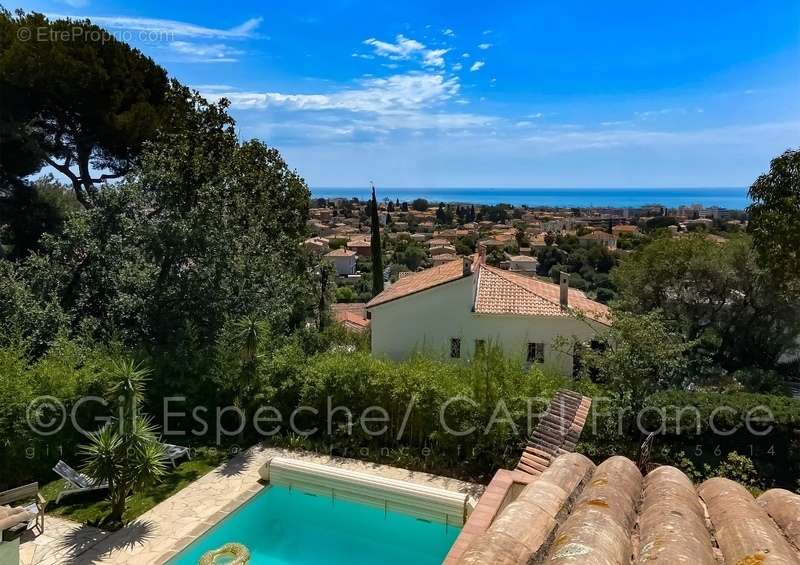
x=91, y=508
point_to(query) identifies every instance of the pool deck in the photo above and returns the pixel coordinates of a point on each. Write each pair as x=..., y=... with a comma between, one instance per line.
x=170, y=526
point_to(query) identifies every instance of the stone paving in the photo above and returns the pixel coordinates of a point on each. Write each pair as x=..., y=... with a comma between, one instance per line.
x=164, y=530
x=63, y=541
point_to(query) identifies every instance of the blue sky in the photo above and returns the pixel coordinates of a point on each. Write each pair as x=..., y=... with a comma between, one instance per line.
x=518, y=94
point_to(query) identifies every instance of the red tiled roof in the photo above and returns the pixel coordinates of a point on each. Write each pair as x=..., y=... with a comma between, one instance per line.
x=620, y=516
x=352, y=320
x=598, y=236
x=504, y=292
x=340, y=253
x=499, y=292
x=417, y=282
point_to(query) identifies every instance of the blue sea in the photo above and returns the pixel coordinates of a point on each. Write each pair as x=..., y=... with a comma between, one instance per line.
x=734, y=198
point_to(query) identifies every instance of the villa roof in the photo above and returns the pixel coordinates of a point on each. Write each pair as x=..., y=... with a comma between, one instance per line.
x=340, y=253
x=420, y=281
x=499, y=292
x=576, y=512
x=444, y=257
x=625, y=228
x=598, y=236
x=352, y=316
x=504, y=292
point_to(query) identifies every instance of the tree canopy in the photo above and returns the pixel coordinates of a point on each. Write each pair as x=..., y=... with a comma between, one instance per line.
x=775, y=220
x=714, y=292
x=82, y=103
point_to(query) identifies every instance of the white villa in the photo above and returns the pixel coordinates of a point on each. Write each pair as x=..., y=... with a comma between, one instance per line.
x=458, y=307
x=343, y=260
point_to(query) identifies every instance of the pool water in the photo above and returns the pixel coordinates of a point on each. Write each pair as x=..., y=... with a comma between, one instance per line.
x=281, y=526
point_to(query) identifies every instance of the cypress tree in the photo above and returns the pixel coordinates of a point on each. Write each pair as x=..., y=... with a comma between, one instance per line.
x=375, y=246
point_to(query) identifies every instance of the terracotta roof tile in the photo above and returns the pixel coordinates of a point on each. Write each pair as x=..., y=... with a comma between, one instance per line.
x=340, y=253
x=499, y=292
x=504, y=292
x=417, y=282
x=619, y=518
x=598, y=236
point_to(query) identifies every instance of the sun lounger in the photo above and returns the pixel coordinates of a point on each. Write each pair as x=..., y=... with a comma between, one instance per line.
x=176, y=452
x=78, y=482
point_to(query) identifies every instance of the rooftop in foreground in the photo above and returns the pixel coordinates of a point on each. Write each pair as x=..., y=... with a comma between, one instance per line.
x=576, y=512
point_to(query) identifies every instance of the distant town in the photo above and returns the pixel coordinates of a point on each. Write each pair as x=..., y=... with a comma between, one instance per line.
x=539, y=242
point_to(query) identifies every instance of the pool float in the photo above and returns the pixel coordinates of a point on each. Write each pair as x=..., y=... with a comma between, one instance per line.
x=228, y=554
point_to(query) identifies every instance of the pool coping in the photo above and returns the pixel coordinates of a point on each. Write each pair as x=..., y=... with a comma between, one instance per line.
x=173, y=524
x=212, y=521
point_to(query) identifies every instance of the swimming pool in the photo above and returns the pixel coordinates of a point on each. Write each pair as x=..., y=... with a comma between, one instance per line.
x=282, y=526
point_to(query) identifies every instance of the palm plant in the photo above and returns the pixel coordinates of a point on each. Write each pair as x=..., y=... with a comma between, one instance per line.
x=126, y=451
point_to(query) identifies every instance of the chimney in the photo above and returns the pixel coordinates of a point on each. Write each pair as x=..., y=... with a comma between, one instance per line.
x=564, y=289
x=482, y=253
x=467, y=267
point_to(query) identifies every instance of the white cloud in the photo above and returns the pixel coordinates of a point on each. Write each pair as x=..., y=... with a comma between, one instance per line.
x=650, y=114
x=465, y=55
x=362, y=56
x=457, y=67
x=486, y=32
x=170, y=27
x=476, y=66
x=434, y=58
x=484, y=46
x=565, y=139
x=375, y=108
x=395, y=94
x=448, y=32
x=204, y=53
x=212, y=87
x=405, y=49
x=401, y=50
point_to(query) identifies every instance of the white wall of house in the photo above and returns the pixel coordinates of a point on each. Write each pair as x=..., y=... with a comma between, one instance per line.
x=428, y=320
x=344, y=265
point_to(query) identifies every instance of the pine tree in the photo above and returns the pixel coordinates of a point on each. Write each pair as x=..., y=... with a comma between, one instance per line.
x=375, y=247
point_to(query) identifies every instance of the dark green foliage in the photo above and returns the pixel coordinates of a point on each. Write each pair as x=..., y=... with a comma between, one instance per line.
x=203, y=220
x=420, y=205
x=775, y=221
x=409, y=253
x=465, y=245
x=715, y=293
x=33, y=209
x=87, y=103
x=659, y=222
x=68, y=371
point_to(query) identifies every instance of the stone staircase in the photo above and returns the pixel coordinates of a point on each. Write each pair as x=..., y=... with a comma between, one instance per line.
x=557, y=432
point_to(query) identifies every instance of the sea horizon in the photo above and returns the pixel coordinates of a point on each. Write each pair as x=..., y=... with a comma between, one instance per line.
x=733, y=198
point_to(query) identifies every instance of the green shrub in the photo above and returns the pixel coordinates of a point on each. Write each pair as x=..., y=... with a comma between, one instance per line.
x=68, y=372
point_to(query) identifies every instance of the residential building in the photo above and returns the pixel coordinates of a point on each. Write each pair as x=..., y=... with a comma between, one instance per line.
x=352, y=316
x=522, y=264
x=443, y=258
x=318, y=245
x=455, y=308
x=344, y=261
x=361, y=246
x=624, y=228
x=603, y=238
x=441, y=249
